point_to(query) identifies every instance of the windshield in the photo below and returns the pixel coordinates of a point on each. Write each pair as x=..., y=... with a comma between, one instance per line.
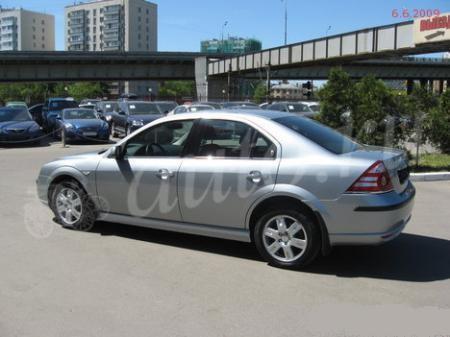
x=199, y=108
x=143, y=109
x=327, y=138
x=297, y=107
x=19, y=115
x=167, y=106
x=315, y=107
x=60, y=105
x=110, y=107
x=240, y=104
x=79, y=114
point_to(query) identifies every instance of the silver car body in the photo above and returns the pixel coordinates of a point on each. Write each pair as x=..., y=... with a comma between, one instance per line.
x=302, y=170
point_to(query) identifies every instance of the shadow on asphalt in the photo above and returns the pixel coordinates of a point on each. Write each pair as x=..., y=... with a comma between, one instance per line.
x=410, y=257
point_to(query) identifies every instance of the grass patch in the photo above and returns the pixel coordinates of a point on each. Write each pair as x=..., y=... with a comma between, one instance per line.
x=431, y=162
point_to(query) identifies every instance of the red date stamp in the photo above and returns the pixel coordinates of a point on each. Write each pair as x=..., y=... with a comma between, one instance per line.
x=414, y=13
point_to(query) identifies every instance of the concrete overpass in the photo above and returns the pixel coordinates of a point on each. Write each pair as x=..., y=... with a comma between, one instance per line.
x=98, y=66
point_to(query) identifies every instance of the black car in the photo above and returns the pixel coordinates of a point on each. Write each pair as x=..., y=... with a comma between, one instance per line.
x=17, y=126
x=105, y=109
x=36, y=113
x=132, y=115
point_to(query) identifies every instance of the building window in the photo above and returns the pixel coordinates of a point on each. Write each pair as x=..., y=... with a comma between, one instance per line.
x=139, y=9
x=43, y=38
x=43, y=30
x=34, y=29
x=43, y=46
x=34, y=37
x=147, y=11
x=95, y=12
x=43, y=22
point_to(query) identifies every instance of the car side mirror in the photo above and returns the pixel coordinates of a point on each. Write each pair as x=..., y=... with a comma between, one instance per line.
x=58, y=117
x=118, y=152
x=121, y=112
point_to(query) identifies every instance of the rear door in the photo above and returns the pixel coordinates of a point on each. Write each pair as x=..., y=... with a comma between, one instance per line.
x=232, y=165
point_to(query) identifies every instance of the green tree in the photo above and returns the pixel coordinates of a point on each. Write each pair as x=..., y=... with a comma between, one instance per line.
x=260, y=92
x=336, y=98
x=81, y=90
x=28, y=92
x=438, y=124
x=373, y=103
x=177, y=89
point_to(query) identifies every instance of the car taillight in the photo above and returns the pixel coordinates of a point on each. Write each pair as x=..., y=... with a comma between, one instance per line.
x=374, y=180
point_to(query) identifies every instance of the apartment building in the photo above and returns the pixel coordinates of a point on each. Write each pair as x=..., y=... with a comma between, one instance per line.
x=23, y=30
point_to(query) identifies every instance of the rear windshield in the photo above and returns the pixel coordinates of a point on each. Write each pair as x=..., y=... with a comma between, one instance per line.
x=143, y=109
x=60, y=105
x=327, y=138
x=79, y=114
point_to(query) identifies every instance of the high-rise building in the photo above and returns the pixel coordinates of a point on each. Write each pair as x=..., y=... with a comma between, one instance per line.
x=113, y=25
x=23, y=30
x=236, y=45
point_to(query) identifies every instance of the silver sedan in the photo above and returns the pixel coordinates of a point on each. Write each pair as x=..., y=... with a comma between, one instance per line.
x=289, y=184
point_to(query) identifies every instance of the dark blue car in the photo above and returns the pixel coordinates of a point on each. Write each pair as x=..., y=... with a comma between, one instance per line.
x=17, y=126
x=133, y=115
x=52, y=109
x=82, y=124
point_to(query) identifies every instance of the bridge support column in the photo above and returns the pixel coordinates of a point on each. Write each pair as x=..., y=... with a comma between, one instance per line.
x=409, y=86
x=215, y=89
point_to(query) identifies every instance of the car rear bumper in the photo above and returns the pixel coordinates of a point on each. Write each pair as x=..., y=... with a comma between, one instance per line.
x=370, y=219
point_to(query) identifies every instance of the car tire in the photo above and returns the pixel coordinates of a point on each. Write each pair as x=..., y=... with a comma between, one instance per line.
x=72, y=206
x=113, y=130
x=283, y=244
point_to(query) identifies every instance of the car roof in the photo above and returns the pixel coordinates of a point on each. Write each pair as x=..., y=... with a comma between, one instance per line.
x=232, y=113
x=134, y=102
x=77, y=109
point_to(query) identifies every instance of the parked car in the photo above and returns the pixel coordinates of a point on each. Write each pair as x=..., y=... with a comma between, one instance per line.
x=287, y=183
x=82, y=124
x=299, y=108
x=215, y=105
x=53, y=108
x=17, y=125
x=132, y=115
x=16, y=104
x=90, y=106
x=166, y=106
x=264, y=105
x=90, y=101
x=105, y=109
x=240, y=105
x=36, y=113
x=191, y=108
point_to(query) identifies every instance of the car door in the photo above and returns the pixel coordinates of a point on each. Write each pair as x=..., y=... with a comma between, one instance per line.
x=144, y=182
x=232, y=165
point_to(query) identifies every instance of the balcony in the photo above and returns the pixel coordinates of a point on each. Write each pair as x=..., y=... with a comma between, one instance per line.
x=112, y=9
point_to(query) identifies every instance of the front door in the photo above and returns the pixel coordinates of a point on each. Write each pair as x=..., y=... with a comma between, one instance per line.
x=233, y=165
x=144, y=182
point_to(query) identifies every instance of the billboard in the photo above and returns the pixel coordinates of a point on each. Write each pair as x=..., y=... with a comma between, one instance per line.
x=432, y=29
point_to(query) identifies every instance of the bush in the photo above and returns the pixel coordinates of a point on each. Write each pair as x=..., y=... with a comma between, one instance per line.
x=437, y=124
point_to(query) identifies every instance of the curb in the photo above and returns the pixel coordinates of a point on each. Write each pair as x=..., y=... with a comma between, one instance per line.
x=432, y=176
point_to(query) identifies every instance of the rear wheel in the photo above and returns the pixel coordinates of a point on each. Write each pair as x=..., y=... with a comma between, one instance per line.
x=287, y=238
x=72, y=206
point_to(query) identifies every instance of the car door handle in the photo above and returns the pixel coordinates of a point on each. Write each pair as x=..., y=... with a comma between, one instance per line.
x=255, y=177
x=165, y=174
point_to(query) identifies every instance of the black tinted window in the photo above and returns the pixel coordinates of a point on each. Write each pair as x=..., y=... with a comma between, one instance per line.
x=329, y=139
x=143, y=109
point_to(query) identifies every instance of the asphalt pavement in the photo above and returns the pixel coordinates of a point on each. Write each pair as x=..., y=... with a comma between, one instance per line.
x=127, y=281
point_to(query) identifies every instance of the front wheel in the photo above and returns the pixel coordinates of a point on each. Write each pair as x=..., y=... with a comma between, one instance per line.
x=287, y=238
x=72, y=206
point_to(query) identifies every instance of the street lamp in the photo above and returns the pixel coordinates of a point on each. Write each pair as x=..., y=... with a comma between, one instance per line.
x=223, y=27
x=285, y=19
x=150, y=90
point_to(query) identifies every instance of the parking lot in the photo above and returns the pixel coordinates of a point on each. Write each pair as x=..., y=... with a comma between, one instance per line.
x=126, y=281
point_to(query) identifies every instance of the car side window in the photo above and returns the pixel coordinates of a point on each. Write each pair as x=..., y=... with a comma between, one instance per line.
x=262, y=147
x=232, y=139
x=163, y=140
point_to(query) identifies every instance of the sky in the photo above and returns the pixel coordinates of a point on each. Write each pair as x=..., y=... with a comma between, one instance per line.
x=182, y=24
